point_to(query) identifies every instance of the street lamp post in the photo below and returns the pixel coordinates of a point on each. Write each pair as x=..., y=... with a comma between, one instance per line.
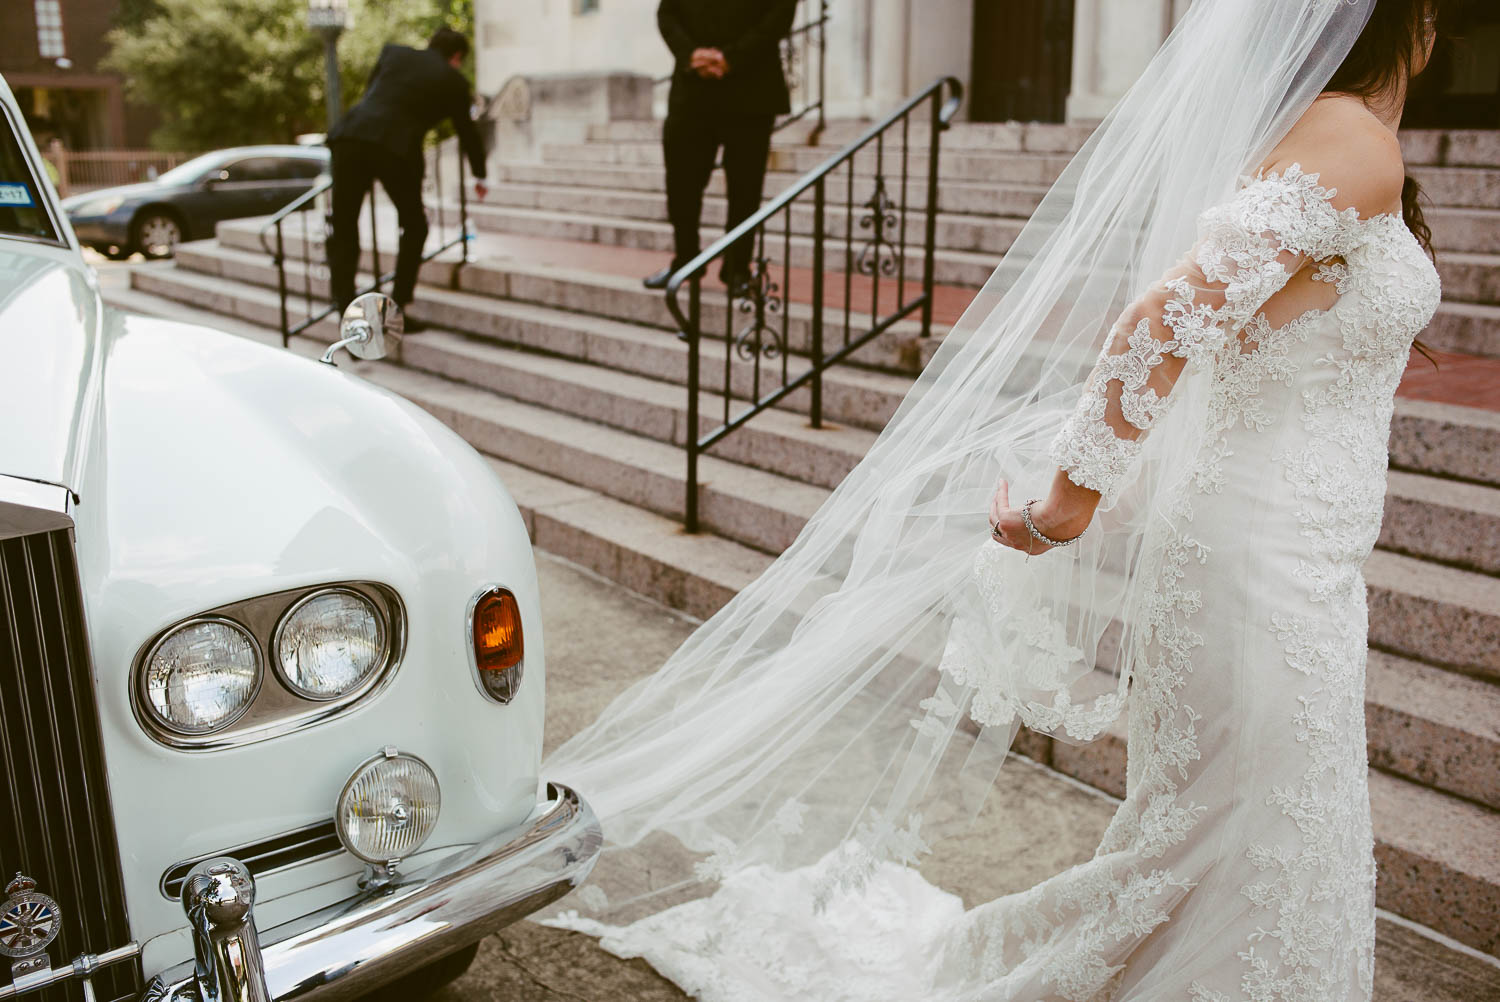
x=328, y=18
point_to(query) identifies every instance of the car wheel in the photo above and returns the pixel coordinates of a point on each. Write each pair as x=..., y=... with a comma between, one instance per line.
x=157, y=234
x=427, y=980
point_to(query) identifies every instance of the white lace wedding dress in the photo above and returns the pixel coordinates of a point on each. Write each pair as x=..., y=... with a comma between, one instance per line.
x=1240, y=865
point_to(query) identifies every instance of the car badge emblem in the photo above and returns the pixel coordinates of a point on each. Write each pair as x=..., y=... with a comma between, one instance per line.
x=29, y=920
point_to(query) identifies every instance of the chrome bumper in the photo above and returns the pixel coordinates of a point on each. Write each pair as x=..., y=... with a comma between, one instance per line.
x=356, y=945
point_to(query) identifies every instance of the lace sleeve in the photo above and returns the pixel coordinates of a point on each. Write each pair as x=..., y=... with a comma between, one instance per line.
x=1248, y=248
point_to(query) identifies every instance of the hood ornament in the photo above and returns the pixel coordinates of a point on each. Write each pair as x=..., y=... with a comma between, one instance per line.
x=29, y=920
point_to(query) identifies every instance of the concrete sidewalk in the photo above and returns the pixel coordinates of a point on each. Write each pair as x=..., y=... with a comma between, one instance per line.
x=600, y=637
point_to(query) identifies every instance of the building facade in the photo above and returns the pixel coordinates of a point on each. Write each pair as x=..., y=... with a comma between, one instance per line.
x=1025, y=60
x=50, y=52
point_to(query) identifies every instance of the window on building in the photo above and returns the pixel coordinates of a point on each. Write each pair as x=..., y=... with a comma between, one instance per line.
x=49, y=29
x=585, y=6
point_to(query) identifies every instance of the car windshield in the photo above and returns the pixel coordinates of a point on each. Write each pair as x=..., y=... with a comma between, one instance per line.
x=23, y=207
x=191, y=171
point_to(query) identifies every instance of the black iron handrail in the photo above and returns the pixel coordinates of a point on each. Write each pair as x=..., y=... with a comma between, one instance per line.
x=307, y=203
x=883, y=257
x=789, y=58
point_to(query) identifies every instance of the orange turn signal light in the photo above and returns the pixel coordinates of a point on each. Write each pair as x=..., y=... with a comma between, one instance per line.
x=498, y=642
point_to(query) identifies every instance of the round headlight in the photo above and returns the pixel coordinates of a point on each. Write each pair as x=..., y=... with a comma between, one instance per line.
x=201, y=676
x=329, y=644
x=388, y=808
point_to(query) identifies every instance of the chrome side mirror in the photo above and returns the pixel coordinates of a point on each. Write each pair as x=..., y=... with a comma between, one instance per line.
x=364, y=326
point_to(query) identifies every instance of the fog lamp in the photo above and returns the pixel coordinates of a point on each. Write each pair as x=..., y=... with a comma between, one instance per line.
x=498, y=643
x=388, y=808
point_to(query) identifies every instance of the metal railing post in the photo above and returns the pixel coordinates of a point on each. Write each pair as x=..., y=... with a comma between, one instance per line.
x=690, y=520
x=819, y=203
x=374, y=240
x=930, y=247
x=286, y=335
x=463, y=208
x=822, y=63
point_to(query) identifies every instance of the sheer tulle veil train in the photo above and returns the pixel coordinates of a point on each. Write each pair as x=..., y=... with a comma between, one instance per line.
x=853, y=705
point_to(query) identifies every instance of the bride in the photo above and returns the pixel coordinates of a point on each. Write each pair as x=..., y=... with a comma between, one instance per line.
x=1212, y=480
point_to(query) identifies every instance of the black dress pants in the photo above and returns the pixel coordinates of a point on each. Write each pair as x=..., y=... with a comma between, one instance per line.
x=356, y=167
x=691, y=139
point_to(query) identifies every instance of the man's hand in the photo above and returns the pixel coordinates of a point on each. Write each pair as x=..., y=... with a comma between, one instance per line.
x=481, y=190
x=709, y=64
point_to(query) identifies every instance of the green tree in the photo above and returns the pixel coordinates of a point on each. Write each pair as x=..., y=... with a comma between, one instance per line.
x=232, y=72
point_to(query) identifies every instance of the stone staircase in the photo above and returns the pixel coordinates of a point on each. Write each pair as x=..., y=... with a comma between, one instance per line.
x=555, y=362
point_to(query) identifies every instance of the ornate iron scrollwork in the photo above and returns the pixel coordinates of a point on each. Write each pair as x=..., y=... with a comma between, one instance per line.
x=879, y=255
x=760, y=299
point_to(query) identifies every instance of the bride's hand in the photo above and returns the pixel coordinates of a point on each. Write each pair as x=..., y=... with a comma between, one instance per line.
x=1009, y=529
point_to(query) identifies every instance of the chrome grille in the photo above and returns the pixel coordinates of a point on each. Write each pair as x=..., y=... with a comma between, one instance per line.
x=304, y=845
x=55, y=818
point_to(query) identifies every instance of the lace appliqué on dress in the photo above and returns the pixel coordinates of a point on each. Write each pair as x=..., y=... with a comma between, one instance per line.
x=1248, y=248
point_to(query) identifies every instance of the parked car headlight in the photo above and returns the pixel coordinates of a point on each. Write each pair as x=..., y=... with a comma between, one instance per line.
x=330, y=643
x=201, y=676
x=388, y=807
x=98, y=206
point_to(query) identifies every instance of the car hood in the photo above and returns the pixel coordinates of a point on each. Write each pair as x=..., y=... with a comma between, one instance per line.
x=145, y=189
x=50, y=325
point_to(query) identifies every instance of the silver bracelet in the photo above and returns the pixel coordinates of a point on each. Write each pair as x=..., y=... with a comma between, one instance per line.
x=1026, y=517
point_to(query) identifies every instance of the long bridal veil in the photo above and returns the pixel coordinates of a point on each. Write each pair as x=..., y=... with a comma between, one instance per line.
x=852, y=705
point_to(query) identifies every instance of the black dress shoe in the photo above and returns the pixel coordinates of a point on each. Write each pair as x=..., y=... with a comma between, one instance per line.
x=660, y=279
x=740, y=283
x=413, y=326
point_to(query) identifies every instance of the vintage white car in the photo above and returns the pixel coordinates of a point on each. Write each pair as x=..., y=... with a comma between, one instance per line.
x=271, y=661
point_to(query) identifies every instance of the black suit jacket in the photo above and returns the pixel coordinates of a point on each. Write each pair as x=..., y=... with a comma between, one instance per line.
x=749, y=33
x=410, y=91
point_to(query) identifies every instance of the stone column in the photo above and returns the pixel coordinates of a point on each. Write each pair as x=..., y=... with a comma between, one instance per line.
x=1113, y=40
x=889, y=54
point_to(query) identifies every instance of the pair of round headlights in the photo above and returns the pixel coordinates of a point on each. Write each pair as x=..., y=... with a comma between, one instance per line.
x=202, y=675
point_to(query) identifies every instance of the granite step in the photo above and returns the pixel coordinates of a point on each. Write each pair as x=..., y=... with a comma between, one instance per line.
x=1446, y=440
x=777, y=441
x=1437, y=855
x=1436, y=851
x=1011, y=137
x=1419, y=147
x=988, y=225
x=1452, y=187
x=1451, y=147
x=527, y=179
x=641, y=197
x=1443, y=520
x=1420, y=609
x=960, y=238
x=1437, y=614
x=1442, y=439
x=1468, y=328
x=1425, y=722
x=1434, y=726
x=1470, y=278
x=954, y=164
x=1460, y=187
x=900, y=348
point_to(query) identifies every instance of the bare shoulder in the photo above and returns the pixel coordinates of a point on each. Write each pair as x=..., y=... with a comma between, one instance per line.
x=1351, y=150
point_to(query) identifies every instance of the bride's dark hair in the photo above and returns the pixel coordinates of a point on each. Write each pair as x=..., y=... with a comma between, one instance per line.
x=1383, y=59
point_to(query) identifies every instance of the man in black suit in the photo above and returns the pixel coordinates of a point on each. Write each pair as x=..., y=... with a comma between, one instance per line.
x=727, y=90
x=410, y=91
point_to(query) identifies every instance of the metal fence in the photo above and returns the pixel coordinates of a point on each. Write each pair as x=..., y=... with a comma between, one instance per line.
x=851, y=243
x=78, y=172
x=297, y=238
